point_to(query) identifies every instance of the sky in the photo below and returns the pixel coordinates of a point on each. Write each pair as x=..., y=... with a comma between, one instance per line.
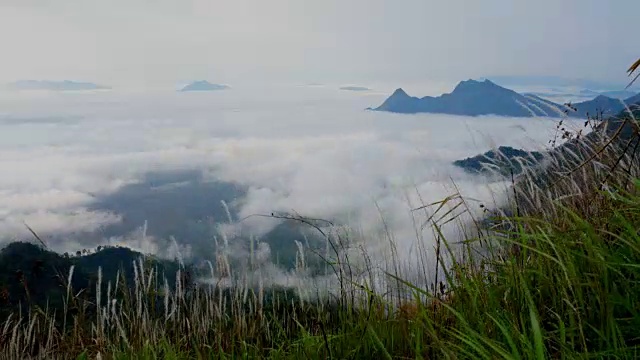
x=164, y=42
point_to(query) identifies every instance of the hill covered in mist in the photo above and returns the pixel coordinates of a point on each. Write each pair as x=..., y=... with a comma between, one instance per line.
x=31, y=275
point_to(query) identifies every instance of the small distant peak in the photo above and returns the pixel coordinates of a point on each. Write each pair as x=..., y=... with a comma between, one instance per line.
x=203, y=85
x=399, y=92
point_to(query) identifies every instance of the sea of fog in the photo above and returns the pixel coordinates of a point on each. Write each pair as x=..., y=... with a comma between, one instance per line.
x=170, y=173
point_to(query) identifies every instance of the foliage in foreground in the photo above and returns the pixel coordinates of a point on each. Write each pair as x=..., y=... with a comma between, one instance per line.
x=547, y=291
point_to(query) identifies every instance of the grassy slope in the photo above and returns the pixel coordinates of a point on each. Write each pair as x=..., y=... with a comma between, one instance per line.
x=566, y=290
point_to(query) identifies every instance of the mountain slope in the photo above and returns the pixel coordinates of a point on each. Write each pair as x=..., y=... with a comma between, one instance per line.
x=503, y=161
x=634, y=100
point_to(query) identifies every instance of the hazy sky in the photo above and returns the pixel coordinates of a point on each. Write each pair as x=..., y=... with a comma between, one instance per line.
x=168, y=41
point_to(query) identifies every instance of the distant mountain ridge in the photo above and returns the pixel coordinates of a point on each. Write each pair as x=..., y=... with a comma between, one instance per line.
x=476, y=98
x=615, y=94
x=354, y=88
x=65, y=85
x=471, y=98
x=203, y=85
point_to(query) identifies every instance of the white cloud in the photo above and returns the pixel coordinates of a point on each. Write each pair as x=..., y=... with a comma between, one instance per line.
x=309, y=150
x=51, y=221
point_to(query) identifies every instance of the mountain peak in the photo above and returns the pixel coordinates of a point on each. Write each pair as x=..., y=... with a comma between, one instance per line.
x=399, y=92
x=475, y=85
